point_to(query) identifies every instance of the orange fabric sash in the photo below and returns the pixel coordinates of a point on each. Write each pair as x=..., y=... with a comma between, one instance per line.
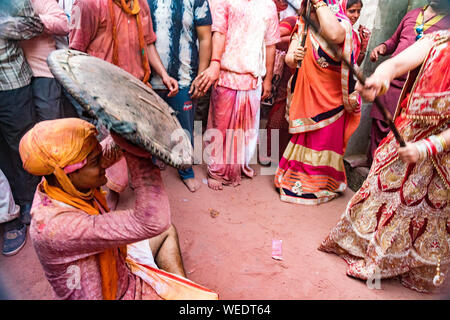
x=320, y=88
x=317, y=89
x=107, y=259
x=135, y=12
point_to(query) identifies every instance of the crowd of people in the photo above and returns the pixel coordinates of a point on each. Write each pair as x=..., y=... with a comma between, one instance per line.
x=61, y=182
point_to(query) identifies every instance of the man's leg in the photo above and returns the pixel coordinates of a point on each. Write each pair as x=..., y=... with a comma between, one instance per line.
x=47, y=98
x=17, y=116
x=166, y=251
x=182, y=104
x=14, y=231
x=202, y=109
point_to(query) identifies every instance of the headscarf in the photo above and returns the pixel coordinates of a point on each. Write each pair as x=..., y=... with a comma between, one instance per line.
x=356, y=41
x=348, y=49
x=53, y=145
x=281, y=5
x=351, y=99
x=337, y=8
x=60, y=146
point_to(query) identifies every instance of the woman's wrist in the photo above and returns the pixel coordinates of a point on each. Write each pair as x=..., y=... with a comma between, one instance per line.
x=290, y=59
x=431, y=146
x=319, y=4
x=384, y=87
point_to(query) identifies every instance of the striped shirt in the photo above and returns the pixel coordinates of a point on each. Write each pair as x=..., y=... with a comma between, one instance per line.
x=17, y=22
x=174, y=22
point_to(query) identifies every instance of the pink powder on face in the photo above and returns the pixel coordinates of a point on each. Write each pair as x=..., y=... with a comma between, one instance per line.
x=74, y=167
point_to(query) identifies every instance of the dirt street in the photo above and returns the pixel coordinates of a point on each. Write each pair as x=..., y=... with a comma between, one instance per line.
x=226, y=241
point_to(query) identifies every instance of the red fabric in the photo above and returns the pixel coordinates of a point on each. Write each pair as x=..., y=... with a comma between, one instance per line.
x=91, y=32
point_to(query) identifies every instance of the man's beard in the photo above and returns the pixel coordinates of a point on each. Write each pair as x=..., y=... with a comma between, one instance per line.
x=440, y=6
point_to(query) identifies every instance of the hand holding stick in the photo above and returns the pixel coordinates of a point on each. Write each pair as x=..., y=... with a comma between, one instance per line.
x=305, y=30
x=386, y=114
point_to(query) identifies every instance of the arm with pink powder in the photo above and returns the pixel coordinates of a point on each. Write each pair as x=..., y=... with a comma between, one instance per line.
x=84, y=24
x=52, y=16
x=112, y=153
x=76, y=233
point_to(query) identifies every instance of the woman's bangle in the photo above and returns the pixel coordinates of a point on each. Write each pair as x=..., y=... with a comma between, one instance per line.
x=320, y=4
x=216, y=60
x=437, y=143
x=431, y=146
x=384, y=87
x=442, y=141
x=422, y=148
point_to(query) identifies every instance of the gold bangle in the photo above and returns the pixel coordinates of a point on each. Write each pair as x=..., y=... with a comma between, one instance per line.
x=422, y=149
x=319, y=5
x=442, y=140
x=384, y=87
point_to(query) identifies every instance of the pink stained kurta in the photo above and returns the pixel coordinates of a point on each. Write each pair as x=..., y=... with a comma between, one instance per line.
x=249, y=26
x=67, y=240
x=91, y=32
x=37, y=49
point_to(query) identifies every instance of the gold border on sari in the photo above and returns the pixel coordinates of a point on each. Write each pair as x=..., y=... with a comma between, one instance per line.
x=307, y=124
x=315, y=158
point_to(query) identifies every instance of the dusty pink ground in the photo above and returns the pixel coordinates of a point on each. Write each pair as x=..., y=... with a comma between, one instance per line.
x=232, y=252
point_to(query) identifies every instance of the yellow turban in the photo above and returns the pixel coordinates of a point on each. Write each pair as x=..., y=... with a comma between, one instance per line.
x=52, y=145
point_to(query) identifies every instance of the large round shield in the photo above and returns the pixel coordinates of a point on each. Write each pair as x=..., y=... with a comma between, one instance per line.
x=124, y=104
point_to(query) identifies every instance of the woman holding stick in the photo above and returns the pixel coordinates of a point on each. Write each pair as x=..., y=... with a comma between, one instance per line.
x=322, y=111
x=398, y=223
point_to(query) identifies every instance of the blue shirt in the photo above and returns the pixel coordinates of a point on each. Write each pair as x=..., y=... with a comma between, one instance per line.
x=174, y=22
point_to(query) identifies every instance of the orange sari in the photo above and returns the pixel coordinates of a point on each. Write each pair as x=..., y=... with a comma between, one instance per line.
x=311, y=170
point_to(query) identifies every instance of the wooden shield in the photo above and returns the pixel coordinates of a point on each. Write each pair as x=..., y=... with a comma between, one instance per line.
x=124, y=104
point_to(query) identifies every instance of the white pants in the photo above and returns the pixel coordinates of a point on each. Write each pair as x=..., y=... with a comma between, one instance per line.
x=8, y=209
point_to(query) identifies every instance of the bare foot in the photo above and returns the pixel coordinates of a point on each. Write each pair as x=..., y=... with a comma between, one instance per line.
x=192, y=184
x=214, y=184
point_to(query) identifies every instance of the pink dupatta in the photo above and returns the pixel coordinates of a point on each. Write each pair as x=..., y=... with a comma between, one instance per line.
x=356, y=41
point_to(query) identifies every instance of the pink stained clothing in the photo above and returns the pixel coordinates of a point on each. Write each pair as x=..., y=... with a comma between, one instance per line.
x=37, y=49
x=91, y=32
x=403, y=37
x=67, y=239
x=249, y=27
x=232, y=114
x=117, y=176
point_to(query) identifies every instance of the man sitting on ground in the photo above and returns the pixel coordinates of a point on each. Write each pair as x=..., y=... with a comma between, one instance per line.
x=81, y=246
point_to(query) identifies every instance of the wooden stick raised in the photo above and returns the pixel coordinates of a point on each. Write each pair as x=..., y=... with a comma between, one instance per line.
x=305, y=30
x=386, y=114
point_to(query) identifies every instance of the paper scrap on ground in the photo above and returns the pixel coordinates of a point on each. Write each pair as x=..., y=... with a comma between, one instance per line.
x=276, y=249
